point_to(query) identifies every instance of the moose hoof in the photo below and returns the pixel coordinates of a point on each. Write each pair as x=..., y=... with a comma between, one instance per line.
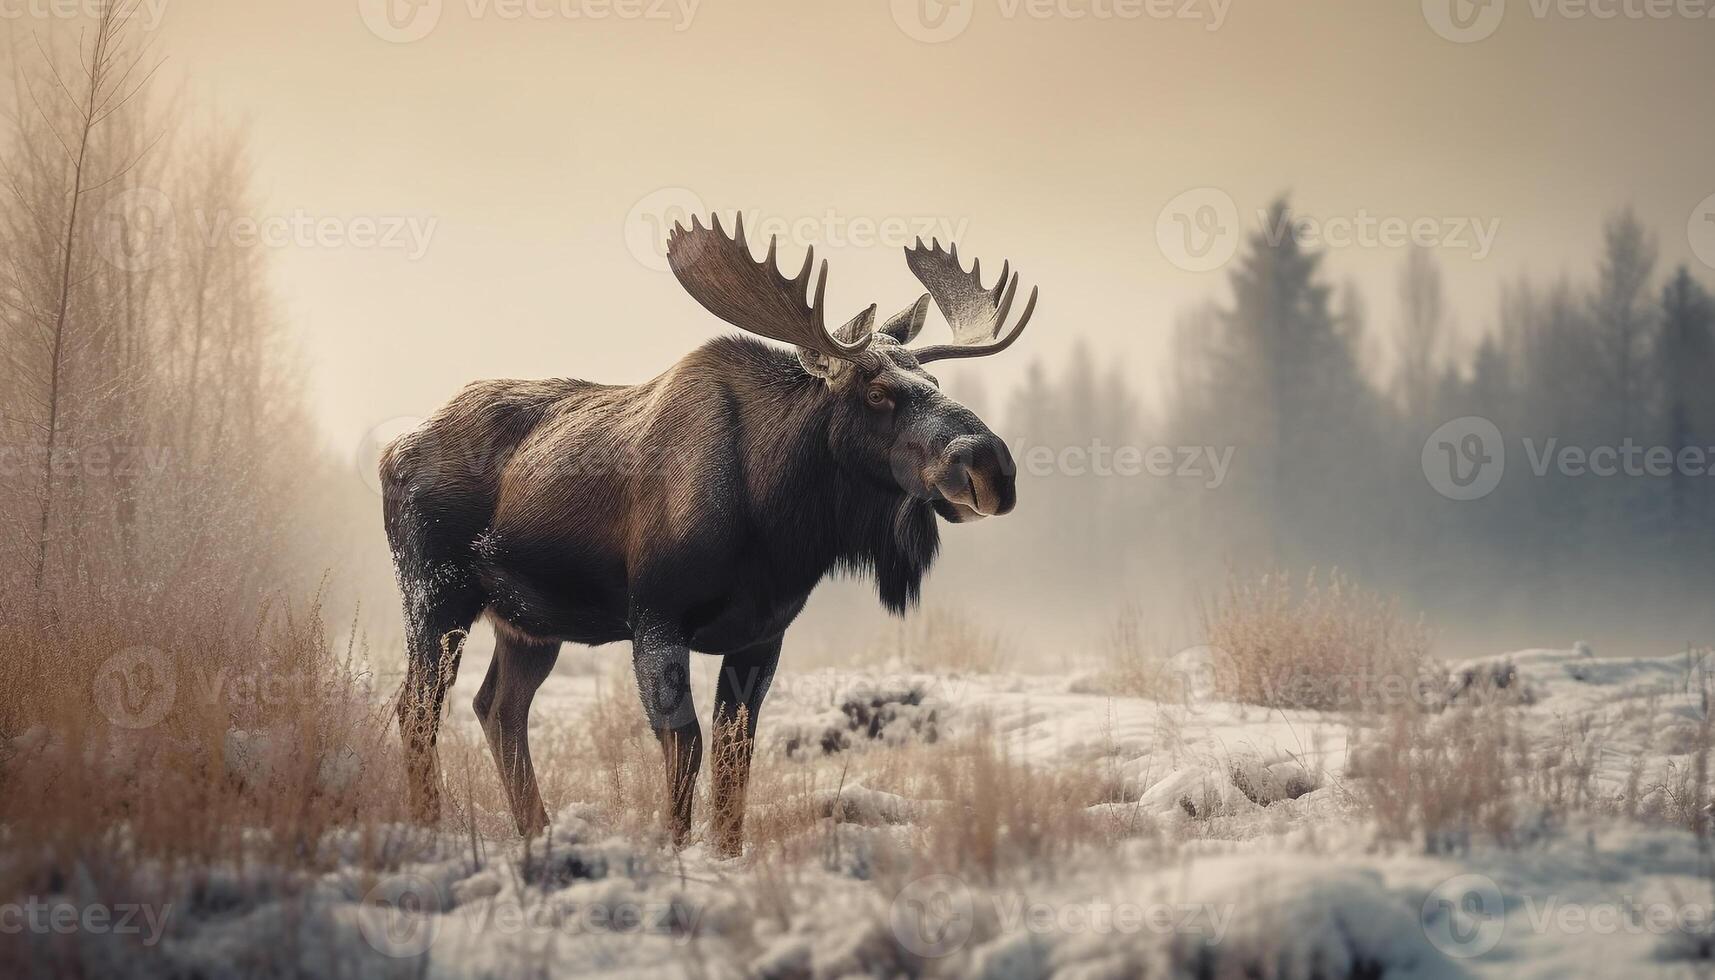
x=533, y=827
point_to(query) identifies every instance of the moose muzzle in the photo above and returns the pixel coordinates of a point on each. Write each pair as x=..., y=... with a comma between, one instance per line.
x=973, y=478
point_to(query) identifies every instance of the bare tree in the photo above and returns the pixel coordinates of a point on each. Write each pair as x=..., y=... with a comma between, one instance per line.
x=111, y=79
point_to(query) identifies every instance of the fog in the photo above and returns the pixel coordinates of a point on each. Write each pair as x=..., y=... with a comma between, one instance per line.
x=1484, y=222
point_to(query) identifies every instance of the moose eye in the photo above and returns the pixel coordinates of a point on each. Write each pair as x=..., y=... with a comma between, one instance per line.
x=878, y=398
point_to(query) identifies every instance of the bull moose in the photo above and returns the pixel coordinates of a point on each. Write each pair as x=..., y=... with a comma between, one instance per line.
x=696, y=511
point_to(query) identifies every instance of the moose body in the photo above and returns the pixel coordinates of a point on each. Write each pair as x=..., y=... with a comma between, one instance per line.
x=692, y=513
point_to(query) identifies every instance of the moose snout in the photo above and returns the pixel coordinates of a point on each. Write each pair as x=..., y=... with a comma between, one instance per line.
x=976, y=473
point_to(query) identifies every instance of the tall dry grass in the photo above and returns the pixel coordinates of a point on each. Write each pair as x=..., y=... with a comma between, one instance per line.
x=164, y=756
x=181, y=732
x=1470, y=771
x=1281, y=640
x=1319, y=642
x=1443, y=780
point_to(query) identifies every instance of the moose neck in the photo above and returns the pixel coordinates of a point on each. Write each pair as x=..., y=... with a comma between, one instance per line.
x=821, y=516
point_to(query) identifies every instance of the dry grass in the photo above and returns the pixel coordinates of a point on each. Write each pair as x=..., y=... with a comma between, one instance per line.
x=1312, y=642
x=941, y=639
x=143, y=753
x=1005, y=815
x=1441, y=779
x=116, y=721
x=1315, y=643
x=181, y=793
x=1470, y=772
x=1135, y=662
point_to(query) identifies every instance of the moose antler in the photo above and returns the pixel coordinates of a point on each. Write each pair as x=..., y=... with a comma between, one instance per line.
x=975, y=313
x=720, y=273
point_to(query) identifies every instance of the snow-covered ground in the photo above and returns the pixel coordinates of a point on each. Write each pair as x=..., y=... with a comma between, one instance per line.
x=1239, y=841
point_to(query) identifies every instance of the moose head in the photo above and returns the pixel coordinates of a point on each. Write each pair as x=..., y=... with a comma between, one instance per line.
x=891, y=424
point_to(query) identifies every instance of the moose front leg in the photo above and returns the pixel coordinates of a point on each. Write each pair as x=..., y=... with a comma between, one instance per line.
x=744, y=681
x=662, y=661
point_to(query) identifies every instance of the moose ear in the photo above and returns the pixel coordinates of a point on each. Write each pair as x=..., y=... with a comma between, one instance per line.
x=905, y=325
x=855, y=330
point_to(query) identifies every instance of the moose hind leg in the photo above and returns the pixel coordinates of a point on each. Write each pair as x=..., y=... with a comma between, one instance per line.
x=435, y=629
x=503, y=706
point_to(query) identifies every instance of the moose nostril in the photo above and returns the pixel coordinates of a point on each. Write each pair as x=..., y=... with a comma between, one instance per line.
x=965, y=451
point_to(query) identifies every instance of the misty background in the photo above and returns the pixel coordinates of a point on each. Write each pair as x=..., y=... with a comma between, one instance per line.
x=304, y=226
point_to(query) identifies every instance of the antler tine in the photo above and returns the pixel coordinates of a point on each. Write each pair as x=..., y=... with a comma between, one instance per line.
x=1005, y=303
x=821, y=290
x=944, y=352
x=803, y=276
x=976, y=313
x=720, y=273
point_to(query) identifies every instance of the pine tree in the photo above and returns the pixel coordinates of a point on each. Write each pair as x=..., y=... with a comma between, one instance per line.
x=1308, y=408
x=1623, y=319
x=1685, y=366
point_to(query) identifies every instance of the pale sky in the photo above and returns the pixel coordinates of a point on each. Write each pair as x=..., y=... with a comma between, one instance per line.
x=528, y=138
